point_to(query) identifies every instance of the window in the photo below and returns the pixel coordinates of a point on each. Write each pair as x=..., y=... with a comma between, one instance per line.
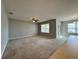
x=45, y=28
x=72, y=27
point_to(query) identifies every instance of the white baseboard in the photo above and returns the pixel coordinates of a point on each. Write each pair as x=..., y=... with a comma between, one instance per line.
x=13, y=39
x=19, y=37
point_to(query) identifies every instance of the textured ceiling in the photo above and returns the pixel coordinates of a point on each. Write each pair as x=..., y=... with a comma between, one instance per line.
x=42, y=9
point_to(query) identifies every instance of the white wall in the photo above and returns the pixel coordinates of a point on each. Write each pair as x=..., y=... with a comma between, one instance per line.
x=4, y=29
x=61, y=30
x=57, y=28
x=64, y=30
x=20, y=29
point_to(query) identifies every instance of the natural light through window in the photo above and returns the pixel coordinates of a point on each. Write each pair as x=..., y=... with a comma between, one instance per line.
x=45, y=28
x=72, y=27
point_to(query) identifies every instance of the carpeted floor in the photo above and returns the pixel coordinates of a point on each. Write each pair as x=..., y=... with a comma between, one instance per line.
x=31, y=48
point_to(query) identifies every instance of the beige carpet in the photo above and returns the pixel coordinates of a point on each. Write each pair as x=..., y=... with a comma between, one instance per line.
x=31, y=48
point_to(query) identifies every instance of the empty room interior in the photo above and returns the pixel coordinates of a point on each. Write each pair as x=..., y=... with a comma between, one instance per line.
x=39, y=29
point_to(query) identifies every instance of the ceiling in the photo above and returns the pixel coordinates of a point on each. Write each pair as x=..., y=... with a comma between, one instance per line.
x=42, y=9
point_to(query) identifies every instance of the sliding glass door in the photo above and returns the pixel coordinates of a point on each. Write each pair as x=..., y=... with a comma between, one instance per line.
x=73, y=29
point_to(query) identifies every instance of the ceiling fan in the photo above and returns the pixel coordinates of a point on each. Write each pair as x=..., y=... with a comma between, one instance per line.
x=35, y=20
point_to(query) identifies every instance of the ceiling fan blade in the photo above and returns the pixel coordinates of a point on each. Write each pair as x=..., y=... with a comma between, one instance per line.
x=37, y=19
x=33, y=19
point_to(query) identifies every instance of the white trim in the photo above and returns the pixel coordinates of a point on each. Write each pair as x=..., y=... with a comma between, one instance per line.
x=19, y=37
